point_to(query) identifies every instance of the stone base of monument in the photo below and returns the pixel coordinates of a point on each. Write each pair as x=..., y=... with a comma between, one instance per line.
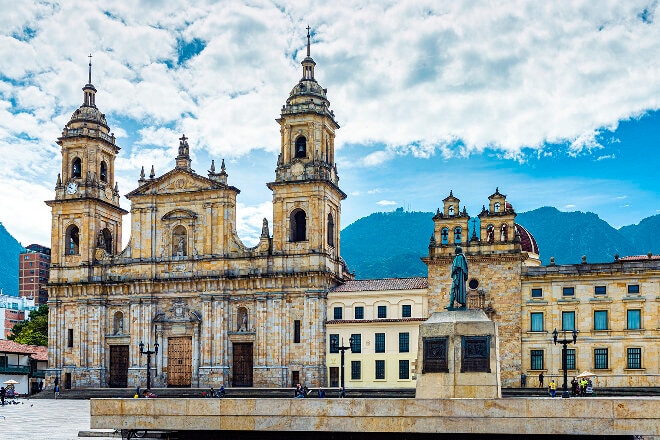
x=458, y=356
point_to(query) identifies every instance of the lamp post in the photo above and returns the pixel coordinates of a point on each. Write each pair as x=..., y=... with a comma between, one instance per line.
x=341, y=348
x=564, y=352
x=148, y=353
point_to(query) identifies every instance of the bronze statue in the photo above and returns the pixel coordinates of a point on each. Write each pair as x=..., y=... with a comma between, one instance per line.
x=459, y=275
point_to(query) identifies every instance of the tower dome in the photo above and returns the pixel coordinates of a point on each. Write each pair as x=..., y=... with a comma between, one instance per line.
x=87, y=115
x=527, y=240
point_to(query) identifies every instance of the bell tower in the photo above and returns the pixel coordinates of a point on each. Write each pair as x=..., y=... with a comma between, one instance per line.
x=86, y=216
x=306, y=195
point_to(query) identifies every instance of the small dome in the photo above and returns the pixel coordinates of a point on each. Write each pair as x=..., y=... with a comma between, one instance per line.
x=88, y=114
x=527, y=240
x=307, y=88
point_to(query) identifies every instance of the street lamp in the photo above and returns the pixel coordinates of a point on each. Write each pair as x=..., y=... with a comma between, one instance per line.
x=335, y=346
x=148, y=353
x=564, y=352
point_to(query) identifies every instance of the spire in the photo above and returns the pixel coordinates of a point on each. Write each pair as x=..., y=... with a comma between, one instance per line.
x=89, y=91
x=308, y=63
x=308, y=47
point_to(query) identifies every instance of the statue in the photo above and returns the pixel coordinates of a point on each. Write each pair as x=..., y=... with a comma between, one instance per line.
x=179, y=248
x=459, y=275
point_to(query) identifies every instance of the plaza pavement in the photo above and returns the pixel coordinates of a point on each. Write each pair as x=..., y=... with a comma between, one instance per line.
x=44, y=419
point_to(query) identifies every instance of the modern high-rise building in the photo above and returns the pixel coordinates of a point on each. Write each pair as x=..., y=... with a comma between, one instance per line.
x=34, y=267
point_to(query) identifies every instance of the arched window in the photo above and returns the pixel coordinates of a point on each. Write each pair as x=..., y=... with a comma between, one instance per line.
x=179, y=242
x=496, y=207
x=118, y=323
x=104, y=172
x=105, y=240
x=76, y=168
x=504, y=233
x=301, y=147
x=298, y=225
x=458, y=234
x=72, y=240
x=490, y=233
x=451, y=210
x=331, y=230
x=242, y=319
x=444, y=236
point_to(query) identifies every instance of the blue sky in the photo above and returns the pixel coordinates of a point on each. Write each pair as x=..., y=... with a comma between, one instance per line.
x=555, y=103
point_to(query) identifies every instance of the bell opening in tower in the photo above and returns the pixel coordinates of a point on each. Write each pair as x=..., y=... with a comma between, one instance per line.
x=301, y=147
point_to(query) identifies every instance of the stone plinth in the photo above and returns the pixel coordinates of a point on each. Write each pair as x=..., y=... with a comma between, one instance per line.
x=458, y=356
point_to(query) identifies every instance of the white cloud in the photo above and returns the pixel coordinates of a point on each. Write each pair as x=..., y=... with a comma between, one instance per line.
x=386, y=202
x=569, y=206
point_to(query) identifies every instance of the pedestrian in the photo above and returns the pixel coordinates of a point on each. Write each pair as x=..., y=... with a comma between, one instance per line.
x=57, y=391
x=212, y=393
x=553, y=388
x=342, y=392
x=321, y=393
x=523, y=380
x=540, y=380
x=299, y=393
x=3, y=392
x=221, y=392
x=575, y=387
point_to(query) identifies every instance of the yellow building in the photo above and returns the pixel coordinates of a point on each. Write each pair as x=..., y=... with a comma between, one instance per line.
x=221, y=313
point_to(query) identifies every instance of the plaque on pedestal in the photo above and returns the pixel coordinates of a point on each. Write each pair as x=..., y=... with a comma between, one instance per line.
x=459, y=353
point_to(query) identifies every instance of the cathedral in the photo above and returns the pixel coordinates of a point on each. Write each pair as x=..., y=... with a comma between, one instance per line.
x=211, y=311
x=216, y=311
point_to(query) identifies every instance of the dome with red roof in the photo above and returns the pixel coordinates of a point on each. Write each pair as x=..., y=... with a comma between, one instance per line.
x=527, y=240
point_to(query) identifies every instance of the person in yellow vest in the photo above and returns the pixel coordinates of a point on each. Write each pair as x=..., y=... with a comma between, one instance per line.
x=553, y=388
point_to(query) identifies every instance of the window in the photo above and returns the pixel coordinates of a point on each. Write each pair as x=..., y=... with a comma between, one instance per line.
x=537, y=321
x=301, y=147
x=380, y=370
x=570, y=359
x=334, y=343
x=634, y=358
x=568, y=320
x=537, y=360
x=380, y=342
x=72, y=240
x=356, y=345
x=600, y=320
x=404, y=369
x=69, y=342
x=406, y=311
x=76, y=168
x=359, y=312
x=338, y=312
x=296, y=331
x=298, y=225
x=404, y=342
x=458, y=232
x=496, y=207
x=382, y=311
x=600, y=290
x=633, y=288
x=537, y=293
x=568, y=291
x=600, y=358
x=634, y=319
x=104, y=172
x=444, y=236
x=331, y=231
x=356, y=370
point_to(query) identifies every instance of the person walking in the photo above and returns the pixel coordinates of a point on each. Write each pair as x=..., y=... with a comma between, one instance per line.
x=553, y=388
x=523, y=380
x=321, y=393
x=342, y=392
x=3, y=393
x=540, y=380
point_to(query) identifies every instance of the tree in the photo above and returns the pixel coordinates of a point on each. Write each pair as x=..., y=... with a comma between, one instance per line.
x=34, y=330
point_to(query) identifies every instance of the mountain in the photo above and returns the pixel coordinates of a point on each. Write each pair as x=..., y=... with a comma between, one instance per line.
x=391, y=244
x=9, y=251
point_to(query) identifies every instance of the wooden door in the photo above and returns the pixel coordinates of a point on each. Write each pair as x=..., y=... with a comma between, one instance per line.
x=118, y=366
x=334, y=376
x=179, y=362
x=242, y=365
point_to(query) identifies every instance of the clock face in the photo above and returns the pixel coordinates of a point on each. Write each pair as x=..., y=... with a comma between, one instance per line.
x=71, y=188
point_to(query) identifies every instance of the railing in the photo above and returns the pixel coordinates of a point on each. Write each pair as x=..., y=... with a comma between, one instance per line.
x=20, y=369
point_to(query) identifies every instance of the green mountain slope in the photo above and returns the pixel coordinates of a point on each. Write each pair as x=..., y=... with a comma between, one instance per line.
x=391, y=244
x=9, y=251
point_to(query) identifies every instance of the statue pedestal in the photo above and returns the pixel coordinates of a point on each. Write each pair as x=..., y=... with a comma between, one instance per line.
x=458, y=356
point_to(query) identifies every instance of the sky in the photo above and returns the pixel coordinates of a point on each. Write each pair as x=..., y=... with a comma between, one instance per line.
x=555, y=103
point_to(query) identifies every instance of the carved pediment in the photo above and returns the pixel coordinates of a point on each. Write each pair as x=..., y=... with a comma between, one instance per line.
x=175, y=182
x=180, y=214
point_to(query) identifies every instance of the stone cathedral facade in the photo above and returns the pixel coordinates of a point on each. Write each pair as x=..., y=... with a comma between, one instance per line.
x=221, y=313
